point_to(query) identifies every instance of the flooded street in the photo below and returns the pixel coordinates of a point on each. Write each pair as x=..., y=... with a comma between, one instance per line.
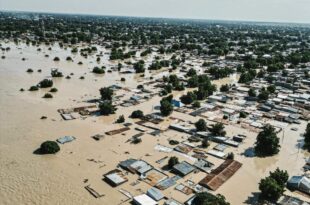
x=29, y=179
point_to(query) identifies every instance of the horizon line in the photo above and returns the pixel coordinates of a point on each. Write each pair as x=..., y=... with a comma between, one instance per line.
x=156, y=17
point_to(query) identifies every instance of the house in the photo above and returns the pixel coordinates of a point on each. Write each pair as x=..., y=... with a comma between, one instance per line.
x=144, y=200
x=183, y=168
x=115, y=178
x=300, y=183
x=220, y=175
x=155, y=194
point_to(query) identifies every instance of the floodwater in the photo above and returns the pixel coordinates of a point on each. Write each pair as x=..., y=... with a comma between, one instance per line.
x=27, y=178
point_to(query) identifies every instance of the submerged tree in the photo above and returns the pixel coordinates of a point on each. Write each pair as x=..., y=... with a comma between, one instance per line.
x=201, y=125
x=49, y=147
x=267, y=142
x=272, y=187
x=106, y=93
x=206, y=198
x=106, y=108
x=307, y=138
x=218, y=129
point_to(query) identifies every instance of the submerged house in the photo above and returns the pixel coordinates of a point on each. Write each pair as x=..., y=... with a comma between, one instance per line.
x=300, y=183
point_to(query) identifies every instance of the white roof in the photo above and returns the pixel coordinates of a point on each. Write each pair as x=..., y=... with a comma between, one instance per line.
x=144, y=200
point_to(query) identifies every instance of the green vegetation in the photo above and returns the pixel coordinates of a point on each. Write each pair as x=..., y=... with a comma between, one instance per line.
x=106, y=108
x=137, y=114
x=201, y=125
x=218, y=129
x=46, y=83
x=56, y=73
x=267, y=142
x=272, y=187
x=33, y=88
x=98, y=70
x=206, y=198
x=106, y=93
x=48, y=95
x=166, y=107
x=307, y=137
x=172, y=161
x=53, y=90
x=120, y=119
x=49, y=147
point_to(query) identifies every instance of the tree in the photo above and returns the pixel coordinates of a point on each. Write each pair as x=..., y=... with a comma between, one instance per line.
x=106, y=108
x=281, y=176
x=272, y=187
x=120, y=119
x=218, y=129
x=267, y=142
x=191, y=72
x=307, y=138
x=252, y=92
x=98, y=70
x=271, y=88
x=196, y=104
x=106, y=93
x=205, y=198
x=188, y=98
x=172, y=161
x=139, y=67
x=49, y=147
x=201, y=125
x=137, y=114
x=46, y=83
x=224, y=88
x=242, y=114
x=205, y=142
x=166, y=107
x=263, y=95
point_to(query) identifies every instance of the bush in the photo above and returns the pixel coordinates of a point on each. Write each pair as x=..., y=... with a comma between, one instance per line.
x=98, y=70
x=49, y=147
x=172, y=161
x=48, y=95
x=33, y=88
x=196, y=104
x=201, y=125
x=205, y=142
x=120, y=119
x=29, y=70
x=242, y=114
x=137, y=114
x=56, y=73
x=173, y=142
x=123, y=79
x=56, y=59
x=231, y=156
x=53, y=90
x=224, y=88
x=69, y=58
x=46, y=83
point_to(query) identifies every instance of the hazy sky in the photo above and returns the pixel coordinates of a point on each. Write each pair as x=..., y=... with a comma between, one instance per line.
x=258, y=10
